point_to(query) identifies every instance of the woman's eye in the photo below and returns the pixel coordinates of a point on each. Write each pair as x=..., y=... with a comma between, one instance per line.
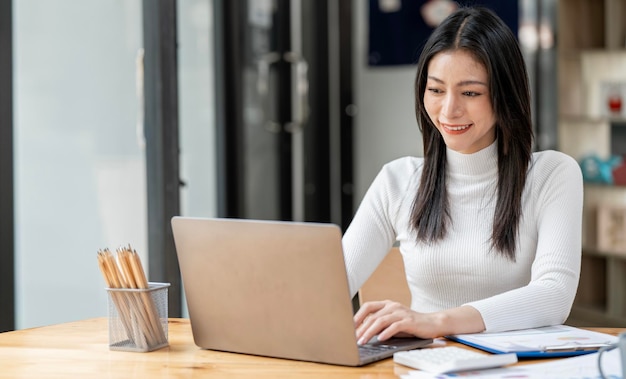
x=470, y=93
x=435, y=90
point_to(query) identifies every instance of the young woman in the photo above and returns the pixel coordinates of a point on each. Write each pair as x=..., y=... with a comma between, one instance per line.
x=489, y=231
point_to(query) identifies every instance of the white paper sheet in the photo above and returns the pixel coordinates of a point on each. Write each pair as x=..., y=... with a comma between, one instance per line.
x=580, y=367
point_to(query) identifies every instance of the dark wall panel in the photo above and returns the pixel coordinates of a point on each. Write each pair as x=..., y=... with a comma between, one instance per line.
x=7, y=228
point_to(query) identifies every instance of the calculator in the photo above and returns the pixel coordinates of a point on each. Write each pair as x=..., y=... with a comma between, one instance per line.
x=442, y=360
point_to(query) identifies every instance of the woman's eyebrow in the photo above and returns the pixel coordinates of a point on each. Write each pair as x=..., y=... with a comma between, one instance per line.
x=459, y=84
x=469, y=82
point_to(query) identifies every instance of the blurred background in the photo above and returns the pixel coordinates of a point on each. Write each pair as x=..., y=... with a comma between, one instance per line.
x=116, y=115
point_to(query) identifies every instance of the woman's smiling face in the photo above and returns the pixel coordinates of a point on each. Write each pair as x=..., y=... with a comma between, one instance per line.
x=458, y=102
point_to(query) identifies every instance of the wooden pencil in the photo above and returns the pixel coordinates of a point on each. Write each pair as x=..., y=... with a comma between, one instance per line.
x=136, y=308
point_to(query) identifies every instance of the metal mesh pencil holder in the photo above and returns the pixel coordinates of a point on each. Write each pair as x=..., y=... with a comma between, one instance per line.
x=138, y=318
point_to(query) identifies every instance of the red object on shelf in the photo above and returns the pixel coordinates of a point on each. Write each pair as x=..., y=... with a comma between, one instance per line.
x=619, y=173
x=615, y=104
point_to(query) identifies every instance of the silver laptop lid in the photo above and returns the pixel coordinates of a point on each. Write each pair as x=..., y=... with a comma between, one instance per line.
x=268, y=288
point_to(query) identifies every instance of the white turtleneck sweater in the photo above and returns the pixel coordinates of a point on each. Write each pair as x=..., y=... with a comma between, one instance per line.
x=537, y=289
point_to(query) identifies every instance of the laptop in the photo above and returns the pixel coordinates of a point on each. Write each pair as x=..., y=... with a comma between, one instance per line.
x=272, y=288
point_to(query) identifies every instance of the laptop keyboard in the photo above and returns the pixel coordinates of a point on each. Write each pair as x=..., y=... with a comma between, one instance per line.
x=373, y=350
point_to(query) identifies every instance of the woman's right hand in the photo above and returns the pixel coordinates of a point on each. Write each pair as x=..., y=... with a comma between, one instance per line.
x=387, y=319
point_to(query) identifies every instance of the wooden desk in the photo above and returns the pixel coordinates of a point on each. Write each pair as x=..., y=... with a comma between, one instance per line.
x=80, y=349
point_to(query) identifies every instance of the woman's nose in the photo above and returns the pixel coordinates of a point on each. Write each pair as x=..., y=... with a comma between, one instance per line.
x=451, y=106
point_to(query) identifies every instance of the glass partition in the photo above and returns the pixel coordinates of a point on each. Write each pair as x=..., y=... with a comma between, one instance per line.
x=79, y=152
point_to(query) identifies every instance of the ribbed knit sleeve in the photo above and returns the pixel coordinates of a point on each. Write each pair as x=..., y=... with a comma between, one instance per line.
x=373, y=229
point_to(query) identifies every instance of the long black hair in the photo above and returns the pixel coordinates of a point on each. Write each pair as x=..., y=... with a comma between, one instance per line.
x=483, y=34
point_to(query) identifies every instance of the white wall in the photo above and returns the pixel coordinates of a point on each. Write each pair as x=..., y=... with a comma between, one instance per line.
x=385, y=126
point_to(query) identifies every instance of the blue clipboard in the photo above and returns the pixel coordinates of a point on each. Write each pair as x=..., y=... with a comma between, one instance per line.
x=544, y=342
x=530, y=354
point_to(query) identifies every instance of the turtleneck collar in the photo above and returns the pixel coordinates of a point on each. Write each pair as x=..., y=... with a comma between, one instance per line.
x=478, y=163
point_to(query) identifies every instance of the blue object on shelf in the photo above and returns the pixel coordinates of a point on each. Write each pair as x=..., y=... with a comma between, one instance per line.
x=597, y=170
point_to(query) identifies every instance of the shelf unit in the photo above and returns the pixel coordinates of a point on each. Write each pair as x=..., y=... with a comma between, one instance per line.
x=592, y=55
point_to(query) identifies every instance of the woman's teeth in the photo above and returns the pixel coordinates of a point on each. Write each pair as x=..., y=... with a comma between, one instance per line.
x=457, y=127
